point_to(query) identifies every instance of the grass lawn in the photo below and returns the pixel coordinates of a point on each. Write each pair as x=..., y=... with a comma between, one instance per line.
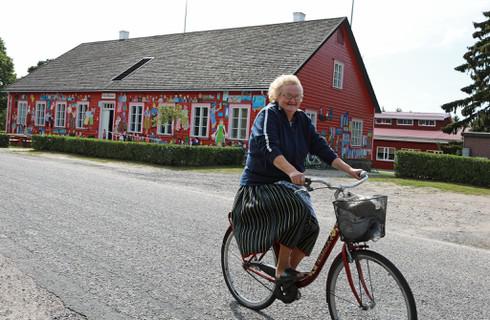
x=387, y=176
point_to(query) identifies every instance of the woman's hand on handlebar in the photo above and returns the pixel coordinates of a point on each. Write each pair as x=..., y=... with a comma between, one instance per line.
x=297, y=178
x=356, y=173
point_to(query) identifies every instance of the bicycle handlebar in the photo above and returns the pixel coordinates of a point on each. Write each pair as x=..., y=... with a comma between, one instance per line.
x=308, y=181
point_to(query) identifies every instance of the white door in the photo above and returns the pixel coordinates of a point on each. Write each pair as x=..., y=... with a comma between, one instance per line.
x=106, y=120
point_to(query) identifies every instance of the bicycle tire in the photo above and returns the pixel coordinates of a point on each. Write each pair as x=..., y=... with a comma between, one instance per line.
x=250, y=290
x=392, y=297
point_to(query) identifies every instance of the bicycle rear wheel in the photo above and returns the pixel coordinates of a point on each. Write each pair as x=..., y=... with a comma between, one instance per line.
x=249, y=289
x=382, y=289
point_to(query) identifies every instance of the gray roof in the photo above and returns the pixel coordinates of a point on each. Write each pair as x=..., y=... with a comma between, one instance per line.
x=226, y=59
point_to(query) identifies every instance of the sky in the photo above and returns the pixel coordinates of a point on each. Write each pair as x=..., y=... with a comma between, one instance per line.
x=409, y=48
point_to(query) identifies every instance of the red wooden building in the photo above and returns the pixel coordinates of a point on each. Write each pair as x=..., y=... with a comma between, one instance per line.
x=416, y=131
x=198, y=83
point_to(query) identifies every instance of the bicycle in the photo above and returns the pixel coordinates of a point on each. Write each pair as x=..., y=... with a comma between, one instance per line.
x=361, y=283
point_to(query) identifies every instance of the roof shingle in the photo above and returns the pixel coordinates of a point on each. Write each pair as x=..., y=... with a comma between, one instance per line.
x=227, y=59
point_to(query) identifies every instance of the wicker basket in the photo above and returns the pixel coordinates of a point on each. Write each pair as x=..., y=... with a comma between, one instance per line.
x=361, y=218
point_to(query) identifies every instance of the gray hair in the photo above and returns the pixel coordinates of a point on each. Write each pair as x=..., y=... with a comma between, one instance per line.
x=281, y=81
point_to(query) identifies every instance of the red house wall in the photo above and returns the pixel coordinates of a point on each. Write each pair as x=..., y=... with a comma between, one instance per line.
x=439, y=125
x=398, y=145
x=218, y=102
x=337, y=107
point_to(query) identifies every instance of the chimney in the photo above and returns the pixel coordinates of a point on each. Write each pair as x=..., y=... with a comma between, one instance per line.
x=123, y=35
x=298, y=16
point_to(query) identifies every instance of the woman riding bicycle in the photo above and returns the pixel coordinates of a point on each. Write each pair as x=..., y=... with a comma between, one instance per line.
x=266, y=209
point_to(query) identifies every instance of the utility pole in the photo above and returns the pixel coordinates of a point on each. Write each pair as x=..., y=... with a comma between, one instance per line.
x=351, y=12
x=185, y=16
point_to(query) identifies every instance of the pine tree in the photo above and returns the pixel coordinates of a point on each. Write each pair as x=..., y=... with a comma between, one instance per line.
x=476, y=107
x=7, y=76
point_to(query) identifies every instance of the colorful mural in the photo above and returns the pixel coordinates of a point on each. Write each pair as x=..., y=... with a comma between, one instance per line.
x=336, y=128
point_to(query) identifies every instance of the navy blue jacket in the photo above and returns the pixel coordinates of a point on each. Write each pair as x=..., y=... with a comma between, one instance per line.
x=273, y=135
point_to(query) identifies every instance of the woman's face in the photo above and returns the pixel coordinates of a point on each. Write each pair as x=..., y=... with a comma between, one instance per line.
x=290, y=98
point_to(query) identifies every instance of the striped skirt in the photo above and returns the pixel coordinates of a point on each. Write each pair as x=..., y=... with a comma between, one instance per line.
x=263, y=215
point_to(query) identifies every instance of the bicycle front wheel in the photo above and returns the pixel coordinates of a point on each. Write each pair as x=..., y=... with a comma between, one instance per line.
x=382, y=290
x=249, y=288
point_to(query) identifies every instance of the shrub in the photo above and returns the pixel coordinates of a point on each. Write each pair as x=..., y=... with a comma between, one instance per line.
x=443, y=167
x=4, y=140
x=163, y=154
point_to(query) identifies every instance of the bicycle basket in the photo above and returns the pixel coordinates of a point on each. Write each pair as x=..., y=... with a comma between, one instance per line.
x=361, y=218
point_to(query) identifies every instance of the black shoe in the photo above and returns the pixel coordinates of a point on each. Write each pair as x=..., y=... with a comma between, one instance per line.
x=286, y=289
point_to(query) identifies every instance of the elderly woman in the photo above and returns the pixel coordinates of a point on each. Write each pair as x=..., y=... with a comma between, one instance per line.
x=266, y=209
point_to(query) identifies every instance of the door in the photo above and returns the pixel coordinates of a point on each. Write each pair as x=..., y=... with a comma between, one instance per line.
x=106, y=125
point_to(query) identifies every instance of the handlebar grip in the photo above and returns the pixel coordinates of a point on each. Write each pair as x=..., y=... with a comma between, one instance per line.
x=308, y=184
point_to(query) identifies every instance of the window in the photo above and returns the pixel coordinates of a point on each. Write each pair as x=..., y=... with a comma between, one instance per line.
x=60, y=114
x=385, y=154
x=40, y=113
x=238, y=125
x=135, y=118
x=427, y=123
x=356, y=134
x=166, y=128
x=22, y=112
x=200, y=114
x=81, y=110
x=404, y=122
x=338, y=75
x=312, y=115
x=383, y=121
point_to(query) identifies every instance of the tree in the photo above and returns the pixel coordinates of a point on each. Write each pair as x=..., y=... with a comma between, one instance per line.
x=39, y=64
x=477, y=105
x=7, y=76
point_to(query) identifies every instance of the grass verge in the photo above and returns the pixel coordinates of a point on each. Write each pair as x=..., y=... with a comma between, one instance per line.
x=444, y=186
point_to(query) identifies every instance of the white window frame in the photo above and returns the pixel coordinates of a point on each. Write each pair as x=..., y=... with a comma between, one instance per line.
x=386, y=154
x=383, y=121
x=21, y=112
x=423, y=123
x=356, y=133
x=134, y=126
x=60, y=121
x=313, y=115
x=243, y=108
x=82, y=108
x=338, y=75
x=399, y=122
x=202, y=123
x=40, y=115
x=170, y=122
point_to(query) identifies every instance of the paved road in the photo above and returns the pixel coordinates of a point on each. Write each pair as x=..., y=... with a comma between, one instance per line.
x=118, y=241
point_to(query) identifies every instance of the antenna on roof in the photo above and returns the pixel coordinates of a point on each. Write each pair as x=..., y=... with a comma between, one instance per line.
x=185, y=16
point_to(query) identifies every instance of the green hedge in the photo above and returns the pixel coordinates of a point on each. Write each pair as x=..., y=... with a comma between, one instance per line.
x=163, y=154
x=443, y=167
x=4, y=140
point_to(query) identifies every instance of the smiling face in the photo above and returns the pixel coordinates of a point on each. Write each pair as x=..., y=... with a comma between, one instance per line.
x=290, y=99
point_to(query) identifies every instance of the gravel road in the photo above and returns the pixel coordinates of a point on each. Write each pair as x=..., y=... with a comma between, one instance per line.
x=86, y=239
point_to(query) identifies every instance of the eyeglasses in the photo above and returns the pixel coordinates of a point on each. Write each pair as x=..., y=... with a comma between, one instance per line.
x=289, y=97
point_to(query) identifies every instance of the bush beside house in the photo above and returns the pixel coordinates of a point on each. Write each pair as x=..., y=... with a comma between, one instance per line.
x=443, y=167
x=4, y=140
x=162, y=154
